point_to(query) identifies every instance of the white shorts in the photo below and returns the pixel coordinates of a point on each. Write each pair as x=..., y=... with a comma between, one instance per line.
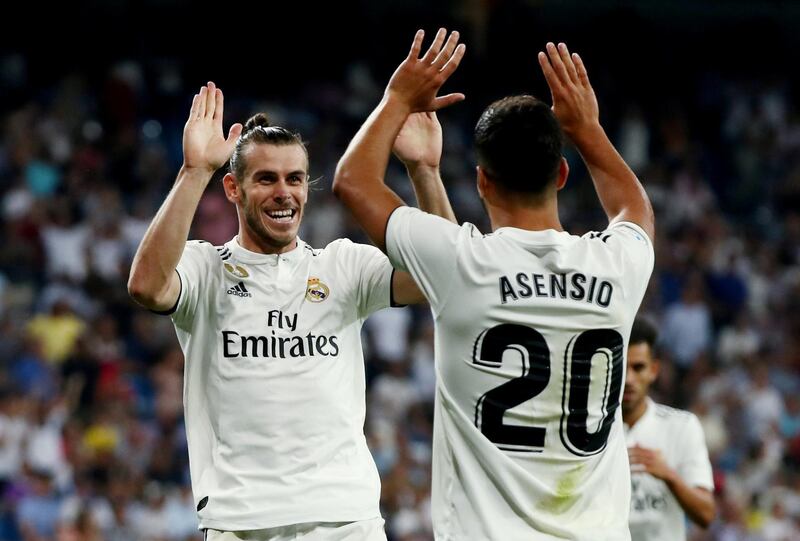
x=361, y=530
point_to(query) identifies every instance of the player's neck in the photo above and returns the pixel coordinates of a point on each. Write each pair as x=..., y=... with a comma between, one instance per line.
x=538, y=218
x=253, y=243
x=632, y=416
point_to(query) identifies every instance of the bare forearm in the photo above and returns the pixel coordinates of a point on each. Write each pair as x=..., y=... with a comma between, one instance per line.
x=367, y=156
x=697, y=503
x=430, y=192
x=622, y=195
x=359, y=178
x=162, y=246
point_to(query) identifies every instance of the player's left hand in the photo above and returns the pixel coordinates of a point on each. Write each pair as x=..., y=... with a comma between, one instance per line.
x=574, y=100
x=649, y=461
x=419, y=143
x=416, y=81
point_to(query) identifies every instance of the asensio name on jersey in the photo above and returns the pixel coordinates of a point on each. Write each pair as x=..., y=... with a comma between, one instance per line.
x=274, y=391
x=532, y=330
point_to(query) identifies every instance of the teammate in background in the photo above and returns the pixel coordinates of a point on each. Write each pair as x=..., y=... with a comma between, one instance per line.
x=670, y=470
x=274, y=391
x=531, y=322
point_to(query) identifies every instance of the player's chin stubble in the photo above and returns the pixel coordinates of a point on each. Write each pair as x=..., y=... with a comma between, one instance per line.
x=254, y=219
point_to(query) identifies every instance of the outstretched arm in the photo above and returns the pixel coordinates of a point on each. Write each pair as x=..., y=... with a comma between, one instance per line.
x=419, y=147
x=575, y=105
x=153, y=282
x=359, y=179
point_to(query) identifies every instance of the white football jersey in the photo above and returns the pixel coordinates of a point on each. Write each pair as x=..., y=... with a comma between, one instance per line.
x=531, y=335
x=655, y=513
x=274, y=382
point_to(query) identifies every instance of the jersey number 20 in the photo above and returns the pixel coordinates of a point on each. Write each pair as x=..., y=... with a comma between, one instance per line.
x=575, y=434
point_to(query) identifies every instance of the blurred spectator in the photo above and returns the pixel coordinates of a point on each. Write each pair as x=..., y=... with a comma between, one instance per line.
x=686, y=328
x=58, y=332
x=38, y=511
x=739, y=340
x=14, y=430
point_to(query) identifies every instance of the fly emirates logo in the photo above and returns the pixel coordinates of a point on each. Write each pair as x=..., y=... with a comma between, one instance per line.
x=277, y=345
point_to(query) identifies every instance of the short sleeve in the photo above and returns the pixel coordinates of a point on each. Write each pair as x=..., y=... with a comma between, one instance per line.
x=634, y=241
x=374, y=277
x=194, y=271
x=635, y=249
x=425, y=246
x=694, y=466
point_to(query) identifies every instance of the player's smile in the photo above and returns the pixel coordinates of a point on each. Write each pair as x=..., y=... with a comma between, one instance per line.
x=281, y=215
x=276, y=226
x=274, y=194
x=284, y=217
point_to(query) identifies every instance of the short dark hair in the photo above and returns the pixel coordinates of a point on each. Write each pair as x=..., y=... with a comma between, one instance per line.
x=643, y=331
x=258, y=131
x=519, y=141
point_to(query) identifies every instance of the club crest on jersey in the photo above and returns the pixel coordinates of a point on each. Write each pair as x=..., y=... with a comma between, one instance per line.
x=316, y=291
x=237, y=270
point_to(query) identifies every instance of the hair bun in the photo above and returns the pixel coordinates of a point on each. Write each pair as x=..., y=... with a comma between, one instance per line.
x=258, y=119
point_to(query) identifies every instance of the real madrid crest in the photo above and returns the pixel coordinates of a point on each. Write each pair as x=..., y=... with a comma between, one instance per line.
x=237, y=270
x=316, y=291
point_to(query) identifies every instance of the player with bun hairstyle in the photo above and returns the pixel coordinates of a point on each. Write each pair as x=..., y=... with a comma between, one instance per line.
x=274, y=392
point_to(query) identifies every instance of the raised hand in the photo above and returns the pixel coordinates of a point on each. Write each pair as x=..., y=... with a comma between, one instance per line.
x=417, y=80
x=574, y=101
x=204, y=143
x=419, y=143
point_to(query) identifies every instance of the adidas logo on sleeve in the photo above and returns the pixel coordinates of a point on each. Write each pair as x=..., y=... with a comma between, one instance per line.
x=239, y=290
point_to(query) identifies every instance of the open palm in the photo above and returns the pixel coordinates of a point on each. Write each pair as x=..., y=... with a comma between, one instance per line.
x=416, y=81
x=204, y=143
x=420, y=140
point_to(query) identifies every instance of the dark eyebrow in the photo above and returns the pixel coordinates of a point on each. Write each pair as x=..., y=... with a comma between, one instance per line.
x=262, y=172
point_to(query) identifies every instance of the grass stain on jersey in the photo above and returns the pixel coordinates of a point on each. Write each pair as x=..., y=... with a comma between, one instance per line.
x=566, y=493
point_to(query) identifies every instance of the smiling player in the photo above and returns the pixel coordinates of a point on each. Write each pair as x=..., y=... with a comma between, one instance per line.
x=274, y=391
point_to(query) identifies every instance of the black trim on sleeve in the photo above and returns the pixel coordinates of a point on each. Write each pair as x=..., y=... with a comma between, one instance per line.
x=392, y=302
x=386, y=228
x=175, y=307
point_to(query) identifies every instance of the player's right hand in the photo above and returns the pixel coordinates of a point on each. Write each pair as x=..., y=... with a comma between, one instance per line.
x=574, y=101
x=204, y=143
x=417, y=80
x=649, y=461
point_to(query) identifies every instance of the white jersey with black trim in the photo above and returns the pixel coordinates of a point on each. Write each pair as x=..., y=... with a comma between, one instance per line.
x=274, y=382
x=532, y=329
x=655, y=513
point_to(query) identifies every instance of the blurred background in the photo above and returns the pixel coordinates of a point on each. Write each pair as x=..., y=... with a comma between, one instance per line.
x=700, y=97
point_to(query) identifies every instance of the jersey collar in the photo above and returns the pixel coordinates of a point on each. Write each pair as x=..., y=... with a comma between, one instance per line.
x=253, y=258
x=537, y=237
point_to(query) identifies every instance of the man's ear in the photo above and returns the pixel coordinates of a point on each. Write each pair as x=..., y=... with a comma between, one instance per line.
x=232, y=188
x=484, y=183
x=563, y=173
x=655, y=368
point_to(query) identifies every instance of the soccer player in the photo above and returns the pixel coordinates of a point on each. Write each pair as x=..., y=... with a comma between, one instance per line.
x=670, y=470
x=531, y=322
x=270, y=329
